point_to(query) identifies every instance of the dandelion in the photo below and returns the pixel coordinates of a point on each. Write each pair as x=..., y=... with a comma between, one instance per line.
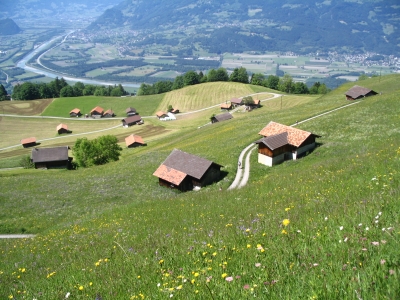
x=161, y=261
x=287, y=208
x=179, y=287
x=284, y=231
x=224, y=275
x=229, y=279
x=80, y=288
x=248, y=246
x=248, y=230
x=286, y=222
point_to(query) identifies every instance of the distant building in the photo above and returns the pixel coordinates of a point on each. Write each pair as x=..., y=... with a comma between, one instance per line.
x=108, y=114
x=221, y=117
x=186, y=171
x=226, y=106
x=51, y=158
x=281, y=142
x=357, y=92
x=28, y=142
x=62, y=128
x=97, y=112
x=134, y=141
x=132, y=120
x=76, y=112
x=130, y=111
x=236, y=101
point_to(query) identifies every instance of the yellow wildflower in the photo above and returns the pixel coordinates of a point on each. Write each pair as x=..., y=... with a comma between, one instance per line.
x=286, y=222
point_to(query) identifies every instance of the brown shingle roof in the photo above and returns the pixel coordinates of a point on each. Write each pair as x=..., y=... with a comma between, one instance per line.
x=110, y=112
x=132, y=119
x=130, y=109
x=275, y=141
x=133, y=139
x=358, y=91
x=223, y=117
x=62, y=126
x=190, y=164
x=295, y=136
x=170, y=174
x=97, y=109
x=236, y=101
x=75, y=110
x=28, y=140
x=50, y=154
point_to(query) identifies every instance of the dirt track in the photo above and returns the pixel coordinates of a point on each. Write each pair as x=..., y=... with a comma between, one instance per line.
x=24, y=108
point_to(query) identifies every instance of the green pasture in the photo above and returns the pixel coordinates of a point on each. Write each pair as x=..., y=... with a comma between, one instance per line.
x=323, y=227
x=145, y=106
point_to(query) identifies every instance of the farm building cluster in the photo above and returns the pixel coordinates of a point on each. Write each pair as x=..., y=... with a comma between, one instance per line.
x=184, y=171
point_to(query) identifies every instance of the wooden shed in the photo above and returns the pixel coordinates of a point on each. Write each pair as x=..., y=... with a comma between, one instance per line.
x=97, y=112
x=226, y=106
x=161, y=114
x=62, y=128
x=28, y=142
x=130, y=111
x=51, y=158
x=134, y=141
x=132, y=120
x=281, y=142
x=357, y=92
x=221, y=117
x=236, y=101
x=108, y=114
x=186, y=171
x=76, y=112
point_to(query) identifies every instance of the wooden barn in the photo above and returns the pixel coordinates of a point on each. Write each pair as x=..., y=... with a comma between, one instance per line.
x=28, y=142
x=97, y=112
x=132, y=120
x=130, y=111
x=281, y=142
x=51, y=158
x=186, y=171
x=76, y=112
x=175, y=111
x=221, y=117
x=236, y=102
x=134, y=141
x=357, y=92
x=62, y=128
x=161, y=114
x=108, y=114
x=226, y=106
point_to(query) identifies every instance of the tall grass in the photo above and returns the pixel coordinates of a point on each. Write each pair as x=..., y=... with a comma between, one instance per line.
x=322, y=227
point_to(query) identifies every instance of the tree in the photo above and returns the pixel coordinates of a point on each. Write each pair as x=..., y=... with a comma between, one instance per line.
x=26, y=91
x=272, y=82
x=78, y=89
x=239, y=75
x=3, y=93
x=315, y=87
x=300, y=88
x=257, y=79
x=146, y=89
x=222, y=75
x=286, y=84
x=67, y=91
x=26, y=162
x=96, y=152
x=178, y=83
x=362, y=77
x=170, y=108
x=190, y=78
x=248, y=100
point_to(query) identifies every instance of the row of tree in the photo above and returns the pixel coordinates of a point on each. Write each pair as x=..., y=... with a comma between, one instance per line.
x=3, y=93
x=60, y=88
x=284, y=84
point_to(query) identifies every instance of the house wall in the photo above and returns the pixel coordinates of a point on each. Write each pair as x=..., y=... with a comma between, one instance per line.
x=270, y=161
x=302, y=150
x=212, y=175
x=52, y=165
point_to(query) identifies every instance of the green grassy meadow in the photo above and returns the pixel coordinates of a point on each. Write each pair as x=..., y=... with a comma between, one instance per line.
x=323, y=227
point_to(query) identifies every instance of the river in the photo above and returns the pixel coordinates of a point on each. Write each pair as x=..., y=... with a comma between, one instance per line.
x=52, y=74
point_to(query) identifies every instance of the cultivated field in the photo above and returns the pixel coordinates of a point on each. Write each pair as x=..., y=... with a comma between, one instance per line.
x=323, y=227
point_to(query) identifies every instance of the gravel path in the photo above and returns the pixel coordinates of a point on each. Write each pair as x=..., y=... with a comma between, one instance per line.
x=16, y=236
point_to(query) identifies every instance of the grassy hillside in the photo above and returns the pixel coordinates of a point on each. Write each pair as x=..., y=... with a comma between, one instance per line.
x=112, y=232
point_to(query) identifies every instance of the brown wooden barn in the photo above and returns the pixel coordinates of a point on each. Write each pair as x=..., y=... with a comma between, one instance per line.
x=221, y=117
x=175, y=111
x=28, y=142
x=357, y=92
x=236, y=101
x=97, y=112
x=132, y=120
x=281, y=142
x=51, y=158
x=186, y=171
x=226, y=106
x=134, y=141
x=108, y=114
x=62, y=128
x=130, y=111
x=161, y=114
x=76, y=112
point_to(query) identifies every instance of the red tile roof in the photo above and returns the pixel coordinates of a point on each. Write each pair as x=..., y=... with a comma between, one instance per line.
x=28, y=140
x=110, y=112
x=133, y=139
x=160, y=114
x=97, y=109
x=170, y=174
x=295, y=136
x=75, y=110
x=62, y=126
x=226, y=105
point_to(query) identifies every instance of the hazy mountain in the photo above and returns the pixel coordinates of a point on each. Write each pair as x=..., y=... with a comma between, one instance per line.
x=297, y=25
x=52, y=11
x=9, y=27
